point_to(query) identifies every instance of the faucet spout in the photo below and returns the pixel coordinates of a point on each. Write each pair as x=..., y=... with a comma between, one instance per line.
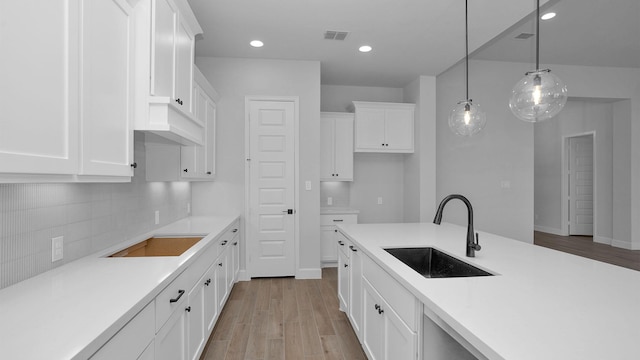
x=472, y=244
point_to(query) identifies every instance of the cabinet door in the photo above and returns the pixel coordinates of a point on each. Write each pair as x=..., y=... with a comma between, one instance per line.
x=400, y=342
x=372, y=323
x=370, y=129
x=399, y=129
x=236, y=257
x=184, y=67
x=39, y=87
x=172, y=337
x=355, y=291
x=221, y=279
x=195, y=321
x=328, y=245
x=164, y=19
x=343, y=148
x=107, y=63
x=343, y=281
x=210, y=300
x=210, y=148
x=192, y=158
x=327, y=149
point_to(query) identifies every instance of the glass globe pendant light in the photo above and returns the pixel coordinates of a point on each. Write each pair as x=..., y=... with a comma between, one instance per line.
x=466, y=118
x=539, y=95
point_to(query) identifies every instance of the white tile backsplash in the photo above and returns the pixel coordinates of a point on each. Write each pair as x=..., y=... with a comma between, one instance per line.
x=91, y=217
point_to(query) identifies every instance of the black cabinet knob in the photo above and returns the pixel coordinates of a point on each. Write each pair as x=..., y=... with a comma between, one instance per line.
x=220, y=264
x=346, y=265
x=188, y=309
x=376, y=306
x=208, y=172
x=186, y=170
x=134, y=165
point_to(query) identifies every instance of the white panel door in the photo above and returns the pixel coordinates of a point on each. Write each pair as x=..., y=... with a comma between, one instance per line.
x=581, y=185
x=271, y=189
x=39, y=86
x=107, y=60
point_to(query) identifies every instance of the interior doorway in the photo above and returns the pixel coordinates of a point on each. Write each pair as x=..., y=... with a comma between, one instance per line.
x=579, y=181
x=271, y=124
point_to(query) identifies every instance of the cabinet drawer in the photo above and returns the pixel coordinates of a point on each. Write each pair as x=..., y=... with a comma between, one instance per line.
x=172, y=298
x=228, y=237
x=132, y=339
x=195, y=271
x=399, y=298
x=338, y=219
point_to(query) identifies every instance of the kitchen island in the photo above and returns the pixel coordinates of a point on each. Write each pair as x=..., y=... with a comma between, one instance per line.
x=540, y=303
x=72, y=311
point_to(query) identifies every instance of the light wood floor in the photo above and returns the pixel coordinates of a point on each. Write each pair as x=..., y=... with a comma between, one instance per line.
x=284, y=318
x=586, y=247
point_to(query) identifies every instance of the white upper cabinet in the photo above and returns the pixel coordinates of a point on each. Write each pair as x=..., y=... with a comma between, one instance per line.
x=336, y=146
x=39, y=87
x=66, y=91
x=383, y=127
x=198, y=161
x=107, y=86
x=165, y=45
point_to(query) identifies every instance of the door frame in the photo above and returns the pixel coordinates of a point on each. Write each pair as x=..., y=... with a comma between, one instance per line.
x=564, y=222
x=296, y=189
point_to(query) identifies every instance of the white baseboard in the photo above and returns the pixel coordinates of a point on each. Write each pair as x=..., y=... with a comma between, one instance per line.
x=602, y=240
x=309, y=273
x=549, y=230
x=243, y=276
x=622, y=244
x=329, y=264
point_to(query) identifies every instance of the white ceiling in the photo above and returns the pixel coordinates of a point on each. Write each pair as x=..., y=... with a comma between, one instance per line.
x=414, y=37
x=585, y=32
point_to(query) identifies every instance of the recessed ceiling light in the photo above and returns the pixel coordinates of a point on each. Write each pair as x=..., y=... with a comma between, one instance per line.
x=547, y=16
x=256, y=43
x=365, y=48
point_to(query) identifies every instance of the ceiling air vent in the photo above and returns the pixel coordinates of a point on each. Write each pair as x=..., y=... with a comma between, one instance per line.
x=524, y=36
x=335, y=35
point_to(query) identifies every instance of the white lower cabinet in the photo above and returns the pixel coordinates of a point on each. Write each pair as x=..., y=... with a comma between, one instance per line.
x=171, y=340
x=196, y=320
x=385, y=335
x=211, y=310
x=329, y=234
x=133, y=340
x=385, y=316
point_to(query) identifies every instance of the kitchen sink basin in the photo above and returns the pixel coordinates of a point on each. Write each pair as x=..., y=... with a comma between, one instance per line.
x=159, y=246
x=433, y=263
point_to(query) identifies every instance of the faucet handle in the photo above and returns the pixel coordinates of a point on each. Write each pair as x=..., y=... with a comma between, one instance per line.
x=476, y=246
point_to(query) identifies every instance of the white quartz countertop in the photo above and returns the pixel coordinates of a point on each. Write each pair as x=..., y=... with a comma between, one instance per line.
x=542, y=303
x=69, y=312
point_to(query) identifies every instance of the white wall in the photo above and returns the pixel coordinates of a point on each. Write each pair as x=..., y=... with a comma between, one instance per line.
x=578, y=117
x=374, y=175
x=234, y=79
x=503, y=151
x=419, y=167
x=91, y=217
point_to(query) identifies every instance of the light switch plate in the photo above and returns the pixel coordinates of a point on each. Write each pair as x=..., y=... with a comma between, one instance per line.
x=57, y=248
x=379, y=200
x=329, y=200
x=307, y=185
x=157, y=221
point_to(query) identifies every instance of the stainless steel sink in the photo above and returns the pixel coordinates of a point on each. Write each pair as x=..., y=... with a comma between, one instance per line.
x=433, y=263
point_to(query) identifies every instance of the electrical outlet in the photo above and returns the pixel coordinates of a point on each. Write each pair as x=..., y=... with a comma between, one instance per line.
x=188, y=208
x=57, y=248
x=157, y=217
x=379, y=200
x=329, y=200
x=307, y=185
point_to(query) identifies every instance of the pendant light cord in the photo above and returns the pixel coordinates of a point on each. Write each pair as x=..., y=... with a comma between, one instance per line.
x=466, y=43
x=537, y=35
